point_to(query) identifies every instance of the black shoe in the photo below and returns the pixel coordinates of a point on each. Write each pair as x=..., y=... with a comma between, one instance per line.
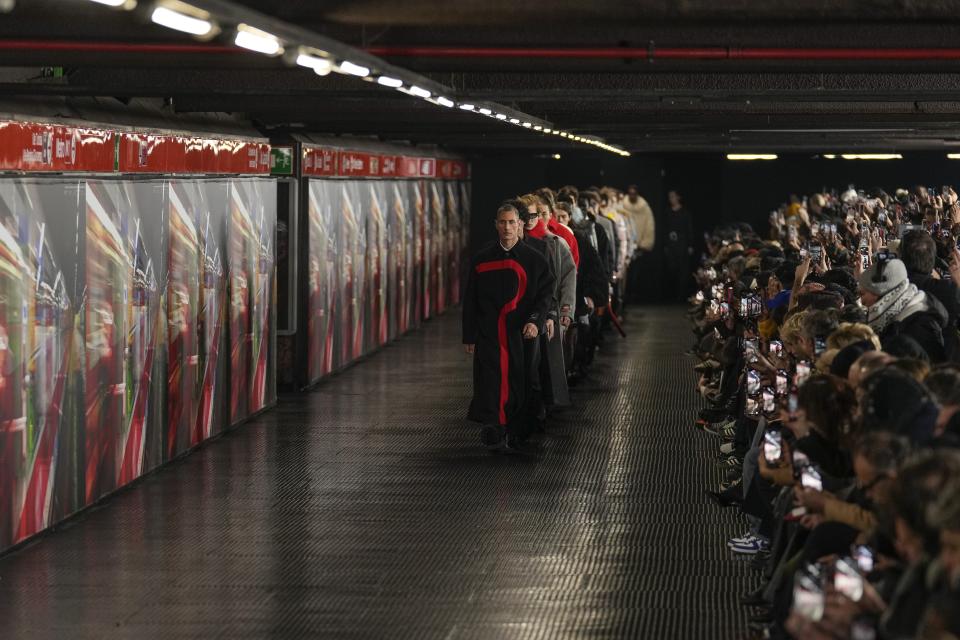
x=755, y=598
x=763, y=617
x=518, y=446
x=492, y=436
x=724, y=499
x=759, y=561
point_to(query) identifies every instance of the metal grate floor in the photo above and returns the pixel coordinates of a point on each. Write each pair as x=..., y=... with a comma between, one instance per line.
x=368, y=509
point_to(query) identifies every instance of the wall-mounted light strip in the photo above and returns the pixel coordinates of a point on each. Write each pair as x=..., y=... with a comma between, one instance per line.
x=871, y=156
x=751, y=156
x=953, y=156
x=193, y=25
x=256, y=40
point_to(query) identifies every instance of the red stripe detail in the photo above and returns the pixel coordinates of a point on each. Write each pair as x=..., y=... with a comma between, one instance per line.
x=514, y=266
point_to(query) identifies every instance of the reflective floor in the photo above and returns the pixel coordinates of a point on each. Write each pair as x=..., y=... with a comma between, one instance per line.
x=368, y=509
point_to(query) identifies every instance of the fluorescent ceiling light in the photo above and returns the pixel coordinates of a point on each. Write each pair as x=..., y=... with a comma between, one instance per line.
x=467, y=107
x=181, y=22
x=751, y=156
x=514, y=121
x=829, y=156
x=387, y=81
x=113, y=3
x=256, y=40
x=527, y=125
x=500, y=116
x=871, y=156
x=420, y=93
x=322, y=66
x=445, y=102
x=953, y=156
x=538, y=128
x=352, y=69
x=486, y=112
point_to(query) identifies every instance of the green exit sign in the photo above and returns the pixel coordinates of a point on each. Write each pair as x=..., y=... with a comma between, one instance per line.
x=281, y=161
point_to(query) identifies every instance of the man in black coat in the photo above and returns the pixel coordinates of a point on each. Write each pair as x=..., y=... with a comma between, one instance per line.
x=919, y=253
x=508, y=294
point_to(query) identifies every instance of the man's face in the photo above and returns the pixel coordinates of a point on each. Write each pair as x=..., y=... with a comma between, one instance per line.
x=508, y=226
x=532, y=217
x=563, y=217
x=544, y=212
x=632, y=195
x=674, y=198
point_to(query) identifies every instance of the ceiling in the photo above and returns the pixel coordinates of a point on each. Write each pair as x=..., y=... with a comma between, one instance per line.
x=718, y=99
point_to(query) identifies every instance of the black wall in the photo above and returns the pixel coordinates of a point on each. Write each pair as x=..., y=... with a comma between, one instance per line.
x=714, y=189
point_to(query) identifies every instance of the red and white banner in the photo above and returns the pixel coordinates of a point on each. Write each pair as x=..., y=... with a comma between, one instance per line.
x=27, y=146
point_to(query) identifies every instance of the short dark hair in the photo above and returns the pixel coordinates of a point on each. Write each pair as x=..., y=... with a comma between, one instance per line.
x=918, y=251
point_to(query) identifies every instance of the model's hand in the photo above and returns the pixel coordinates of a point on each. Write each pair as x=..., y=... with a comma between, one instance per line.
x=469, y=348
x=530, y=331
x=548, y=329
x=565, y=321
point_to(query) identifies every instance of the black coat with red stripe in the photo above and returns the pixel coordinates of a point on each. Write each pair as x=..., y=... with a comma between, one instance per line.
x=505, y=290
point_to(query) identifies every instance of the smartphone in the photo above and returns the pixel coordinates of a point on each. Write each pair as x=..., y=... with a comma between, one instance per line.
x=769, y=401
x=863, y=555
x=815, y=251
x=699, y=297
x=819, y=346
x=753, y=382
x=864, y=258
x=751, y=408
x=782, y=383
x=810, y=478
x=808, y=597
x=772, y=445
x=803, y=372
x=792, y=402
x=847, y=579
x=714, y=307
x=724, y=310
x=775, y=348
x=882, y=217
x=750, y=345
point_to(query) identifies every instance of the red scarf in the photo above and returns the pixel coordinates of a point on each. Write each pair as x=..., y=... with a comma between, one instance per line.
x=539, y=231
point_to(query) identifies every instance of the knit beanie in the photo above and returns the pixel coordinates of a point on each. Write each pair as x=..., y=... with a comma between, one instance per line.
x=894, y=273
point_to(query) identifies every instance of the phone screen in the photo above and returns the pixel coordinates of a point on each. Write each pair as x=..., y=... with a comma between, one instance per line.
x=782, y=383
x=847, y=579
x=819, y=345
x=864, y=558
x=808, y=598
x=810, y=478
x=775, y=347
x=803, y=372
x=772, y=445
x=753, y=382
x=769, y=401
x=752, y=407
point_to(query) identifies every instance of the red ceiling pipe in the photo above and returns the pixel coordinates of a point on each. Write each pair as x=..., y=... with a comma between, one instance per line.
x=670, y=53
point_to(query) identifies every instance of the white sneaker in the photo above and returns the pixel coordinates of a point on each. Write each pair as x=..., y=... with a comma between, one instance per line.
x=751, y=547
x=726, y=448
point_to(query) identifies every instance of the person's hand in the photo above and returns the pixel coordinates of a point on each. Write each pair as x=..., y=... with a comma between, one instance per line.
x=470, y=348
x=813, y=500
x=875, y=242
x=565, y=321
x=548, y=328
x=955, y=265
x=803, y=270
x=530, y=331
